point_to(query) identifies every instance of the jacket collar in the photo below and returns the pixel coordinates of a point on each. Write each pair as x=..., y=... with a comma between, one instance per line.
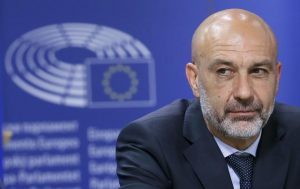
x=272, y=160
x=203, y=154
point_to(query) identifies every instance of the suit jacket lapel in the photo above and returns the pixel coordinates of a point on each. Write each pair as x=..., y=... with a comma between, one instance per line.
x=272, y=159
x=203, y=154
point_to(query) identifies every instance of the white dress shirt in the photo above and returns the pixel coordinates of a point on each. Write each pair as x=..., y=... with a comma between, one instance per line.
x=228, y=150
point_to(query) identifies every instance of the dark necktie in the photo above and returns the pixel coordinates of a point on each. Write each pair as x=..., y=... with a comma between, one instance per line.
x=243, y=167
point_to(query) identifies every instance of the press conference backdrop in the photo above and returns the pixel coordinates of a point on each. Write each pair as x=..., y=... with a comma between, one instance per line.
x=75, y=72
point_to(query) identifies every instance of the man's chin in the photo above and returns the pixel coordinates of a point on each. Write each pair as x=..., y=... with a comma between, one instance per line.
x=242, y=137
x=243, y=122
x=243, y=129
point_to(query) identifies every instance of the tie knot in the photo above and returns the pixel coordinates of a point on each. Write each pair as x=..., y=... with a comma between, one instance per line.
x=243, y=166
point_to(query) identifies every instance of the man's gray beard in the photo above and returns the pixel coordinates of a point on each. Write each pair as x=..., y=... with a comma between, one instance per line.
x=241, y=129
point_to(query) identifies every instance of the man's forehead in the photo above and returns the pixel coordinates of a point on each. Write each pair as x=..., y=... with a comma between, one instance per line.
x=239, y=47
x=238, y=60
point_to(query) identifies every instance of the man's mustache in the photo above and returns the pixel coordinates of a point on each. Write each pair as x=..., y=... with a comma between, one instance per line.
x=236, y=106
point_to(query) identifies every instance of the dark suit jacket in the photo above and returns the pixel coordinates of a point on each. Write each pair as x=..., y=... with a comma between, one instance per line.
x=172, y=148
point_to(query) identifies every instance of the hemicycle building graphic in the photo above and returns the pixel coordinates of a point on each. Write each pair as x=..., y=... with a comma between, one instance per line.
x=83, y=65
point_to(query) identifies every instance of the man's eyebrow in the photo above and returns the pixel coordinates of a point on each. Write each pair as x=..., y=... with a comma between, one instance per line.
x=266, y=63
x=221, y=62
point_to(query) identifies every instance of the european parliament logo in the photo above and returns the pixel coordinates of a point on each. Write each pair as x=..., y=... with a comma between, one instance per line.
x=83, y=65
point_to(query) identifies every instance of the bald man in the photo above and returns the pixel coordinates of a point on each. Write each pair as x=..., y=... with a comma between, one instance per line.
x=233, y=135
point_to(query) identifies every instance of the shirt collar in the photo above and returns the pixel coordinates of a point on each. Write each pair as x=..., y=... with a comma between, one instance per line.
x=228, y=150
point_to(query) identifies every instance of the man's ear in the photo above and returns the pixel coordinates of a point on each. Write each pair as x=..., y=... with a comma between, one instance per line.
x=278, y=70
x=191, y=72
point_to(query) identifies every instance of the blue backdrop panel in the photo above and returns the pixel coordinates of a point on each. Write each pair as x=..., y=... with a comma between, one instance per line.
x=76, y=72
x=1, y=120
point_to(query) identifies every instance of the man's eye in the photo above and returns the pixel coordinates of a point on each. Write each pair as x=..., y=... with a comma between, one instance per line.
x=224, y=72
x=260, y=72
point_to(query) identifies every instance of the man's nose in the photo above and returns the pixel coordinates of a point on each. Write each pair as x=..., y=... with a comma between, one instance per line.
x=243, y=90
